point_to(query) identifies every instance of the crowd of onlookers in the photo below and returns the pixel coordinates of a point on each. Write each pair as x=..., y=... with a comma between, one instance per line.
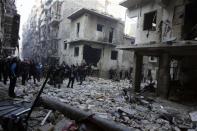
x=73, y=72
x=13, y=68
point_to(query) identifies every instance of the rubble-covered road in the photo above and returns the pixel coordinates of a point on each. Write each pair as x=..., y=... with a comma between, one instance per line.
x=105, y=99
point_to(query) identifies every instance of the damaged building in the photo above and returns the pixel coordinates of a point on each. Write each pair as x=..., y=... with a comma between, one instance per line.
x=57, y=31
x=40, y=34
x=166, y=34
x=9, y=27
x=94, y=37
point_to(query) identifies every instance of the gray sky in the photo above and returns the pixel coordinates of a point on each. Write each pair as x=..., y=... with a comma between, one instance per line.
x=24, y=9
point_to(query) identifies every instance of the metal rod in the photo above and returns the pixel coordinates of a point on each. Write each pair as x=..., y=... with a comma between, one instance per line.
x=77, y=114
x=38, y=96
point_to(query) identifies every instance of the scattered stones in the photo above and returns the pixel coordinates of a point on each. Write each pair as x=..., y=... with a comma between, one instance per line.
x=105, y=99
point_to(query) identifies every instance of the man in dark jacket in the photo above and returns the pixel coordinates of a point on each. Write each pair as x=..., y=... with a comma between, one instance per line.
x=13, y=76
x=81, y=73
x=24, y=71
x=72, y=75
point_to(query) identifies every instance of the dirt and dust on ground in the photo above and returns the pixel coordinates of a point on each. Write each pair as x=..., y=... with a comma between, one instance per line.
x=106, y=99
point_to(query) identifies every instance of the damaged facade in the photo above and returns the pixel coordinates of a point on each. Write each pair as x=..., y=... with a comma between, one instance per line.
x=69, y=31
x=40, y=37
x=166, y=33
x=94, y=37
x=9, y=27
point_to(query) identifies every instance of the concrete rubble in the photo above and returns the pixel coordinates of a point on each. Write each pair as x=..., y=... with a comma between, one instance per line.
x=106, y=99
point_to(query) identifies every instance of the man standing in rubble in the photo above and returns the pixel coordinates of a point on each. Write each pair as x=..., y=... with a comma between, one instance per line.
x=13, y=76
x=24, y=71
x=72, y=75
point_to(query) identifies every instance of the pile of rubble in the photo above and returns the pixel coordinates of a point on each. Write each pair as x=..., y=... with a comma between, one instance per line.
x=105, y=99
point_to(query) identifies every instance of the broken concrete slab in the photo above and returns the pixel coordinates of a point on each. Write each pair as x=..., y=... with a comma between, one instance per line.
x=193, y=116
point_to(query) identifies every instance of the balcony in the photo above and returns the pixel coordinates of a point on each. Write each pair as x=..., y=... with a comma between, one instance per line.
x=55, y=20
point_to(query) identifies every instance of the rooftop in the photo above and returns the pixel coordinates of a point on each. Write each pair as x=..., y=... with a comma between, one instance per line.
x=82, y=11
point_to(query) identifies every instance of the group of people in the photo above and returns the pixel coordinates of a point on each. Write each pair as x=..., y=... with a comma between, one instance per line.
x=13, y=68
x=63, y=71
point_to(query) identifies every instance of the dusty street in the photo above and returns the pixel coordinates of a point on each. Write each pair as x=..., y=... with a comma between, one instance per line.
x=105, y=99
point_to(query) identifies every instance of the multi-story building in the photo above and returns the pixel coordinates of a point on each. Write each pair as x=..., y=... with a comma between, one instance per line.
x=1, y=20
x=93, y=39
x=43, y=32
x=165, y=30
x=56, y=29
x=31, y=33
x=9, y=28
x=52, y=27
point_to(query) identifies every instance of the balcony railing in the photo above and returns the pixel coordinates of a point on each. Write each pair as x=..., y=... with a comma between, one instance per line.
x=55, y=19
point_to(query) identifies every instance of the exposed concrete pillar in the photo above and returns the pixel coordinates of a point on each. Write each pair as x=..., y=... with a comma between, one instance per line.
x=163, y=76
x=137, y=71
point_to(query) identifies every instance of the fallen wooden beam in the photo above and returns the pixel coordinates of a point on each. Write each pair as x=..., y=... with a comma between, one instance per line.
x=77, y=114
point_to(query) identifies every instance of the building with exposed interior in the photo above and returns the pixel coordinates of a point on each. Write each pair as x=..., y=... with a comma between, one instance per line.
x=50, y=35
x=93, y=40
x=166, y=30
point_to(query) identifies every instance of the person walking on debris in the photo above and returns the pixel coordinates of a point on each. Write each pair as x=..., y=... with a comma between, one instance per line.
x=32, y=71
x=72, y=75
x=24, y=71
x=13, y=77
x=81, y=73
x=38, y=71
x=57, y=76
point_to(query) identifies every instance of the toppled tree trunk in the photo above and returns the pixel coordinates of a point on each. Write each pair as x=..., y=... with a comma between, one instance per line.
x=77, y=114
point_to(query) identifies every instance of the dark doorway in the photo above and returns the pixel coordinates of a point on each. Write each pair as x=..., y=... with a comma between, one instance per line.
x=91, y=55
x=190, y=24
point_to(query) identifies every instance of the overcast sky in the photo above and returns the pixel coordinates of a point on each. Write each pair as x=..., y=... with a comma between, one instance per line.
x=24, y=9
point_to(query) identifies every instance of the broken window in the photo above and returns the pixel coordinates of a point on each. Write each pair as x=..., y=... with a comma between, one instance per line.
x=190, y=22
x=111, y=35
x=65, y=45
x=114, y=55
x=78, y=28
x=150, y=20
x=76, y=52
x=99, y=27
